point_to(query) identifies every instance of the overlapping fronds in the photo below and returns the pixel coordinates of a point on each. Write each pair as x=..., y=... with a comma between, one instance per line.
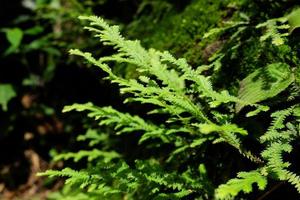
x=196, y=116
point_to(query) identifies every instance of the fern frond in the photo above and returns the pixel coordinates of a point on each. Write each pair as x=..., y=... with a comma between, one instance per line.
x=185, y=96
x=274, y=155
x=122, y=123
x=277, y=124
x=145, y=94
x=272, y=30
x=132, y=52
x=203, y=85
x=89, y=154
x=227, y=133
x=153, y=173
x=82, y=178
x=176, y=195
x=93, y=136
x=243, y=183
x=278, y=137
x=293, y=178
x=157, y=64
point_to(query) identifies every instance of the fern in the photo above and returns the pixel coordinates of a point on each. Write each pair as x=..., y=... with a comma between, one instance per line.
x=273, y=27
x=279, y=142
x=152, y=64
x=123, y=123
x=197, y=116
x=277, y=124
x=93, y=136
x=168, y=95
x=89, y=154
x=84, y=179
x=243, y=182
x=146, y=174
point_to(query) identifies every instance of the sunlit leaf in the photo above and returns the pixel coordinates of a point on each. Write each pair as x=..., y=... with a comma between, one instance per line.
x=14, y=37
x=7, y=92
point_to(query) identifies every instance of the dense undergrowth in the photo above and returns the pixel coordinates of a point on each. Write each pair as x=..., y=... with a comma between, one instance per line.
x=208, y=106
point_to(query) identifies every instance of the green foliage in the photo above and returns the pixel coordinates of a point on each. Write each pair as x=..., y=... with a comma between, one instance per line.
x=293, y=20
x=146, y=177
x=89, y=154
x=279, y=138
x=190, y=117
x=14, y=36
x=243, y=182
x=272, y=30
x=7, y=92
x=265, y=83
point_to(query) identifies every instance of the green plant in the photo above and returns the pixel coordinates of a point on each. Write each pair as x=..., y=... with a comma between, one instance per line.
x=7, y=92
x=185, y=115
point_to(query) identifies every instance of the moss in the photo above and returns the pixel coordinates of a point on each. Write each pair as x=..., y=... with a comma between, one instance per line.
x=178, y=31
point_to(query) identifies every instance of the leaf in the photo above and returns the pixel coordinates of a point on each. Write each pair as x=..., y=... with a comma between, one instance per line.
x=277, y=41
x=34, y=30
x=264, y=83
x=258, y=110
x=14, y=37
x=213, y=31
x=294, y=20
x=32, y=80
x=7, y=92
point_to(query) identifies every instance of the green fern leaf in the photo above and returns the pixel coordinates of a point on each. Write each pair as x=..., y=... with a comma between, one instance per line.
x=243, y=183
